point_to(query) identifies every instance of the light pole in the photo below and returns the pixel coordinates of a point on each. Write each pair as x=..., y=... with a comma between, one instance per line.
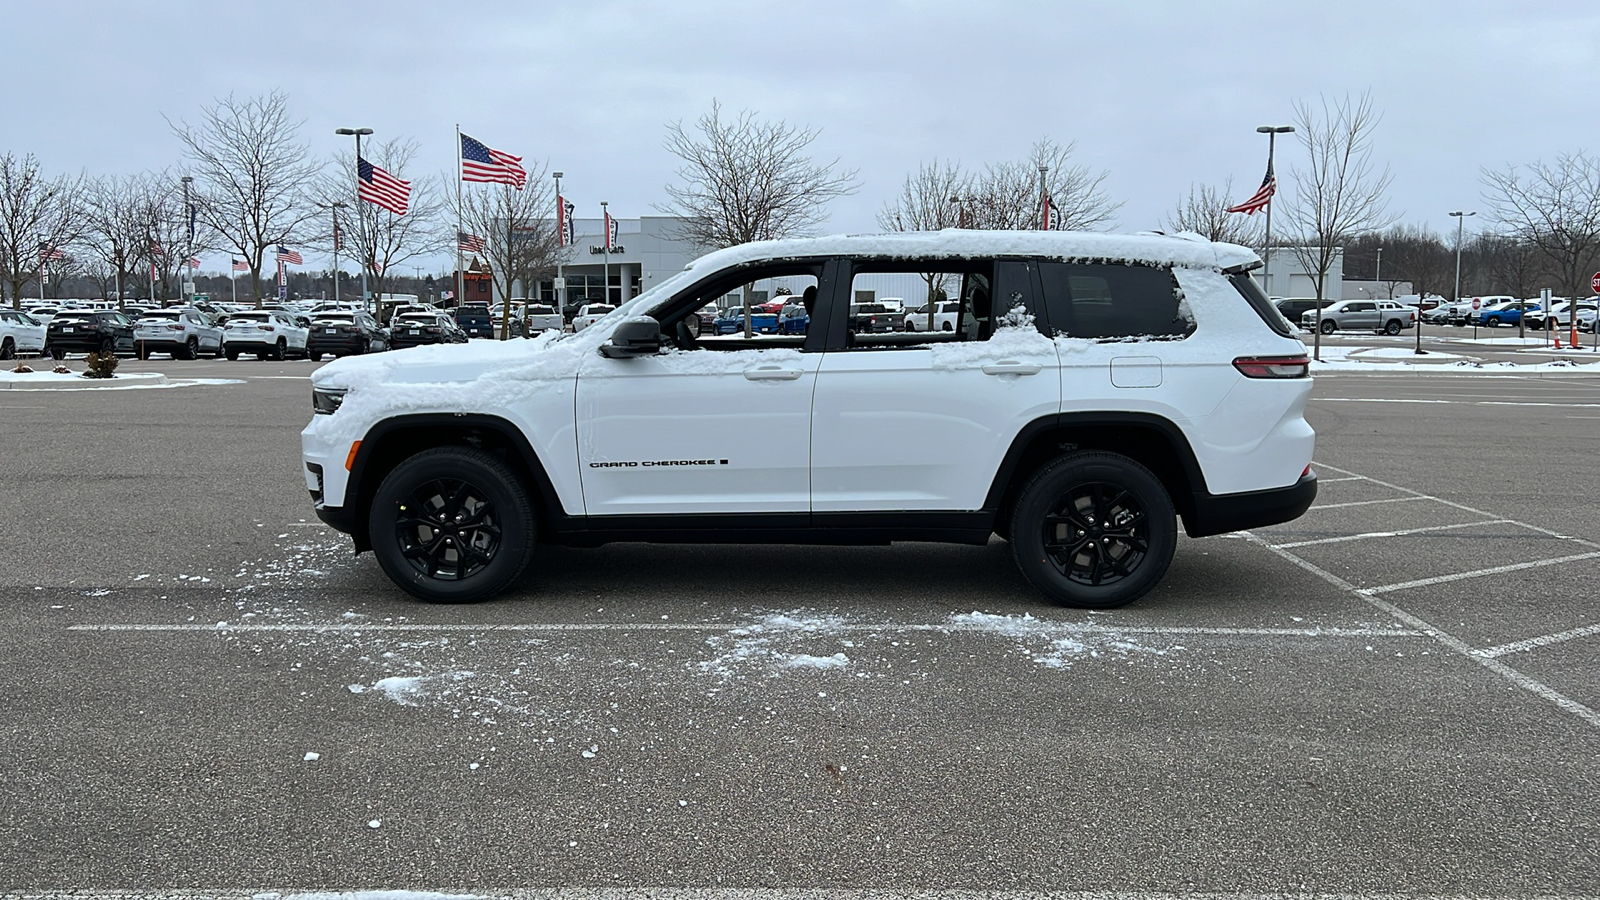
x=1455, y=296
x=360, y=219
x=561, y=241
x=1377, y=272
x=1272, y=132
x=1044, y=195
x=184, y=289
x=605, y=245
x=337, y=240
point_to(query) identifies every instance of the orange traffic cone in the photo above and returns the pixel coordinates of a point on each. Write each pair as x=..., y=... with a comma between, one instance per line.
x=1558, y=340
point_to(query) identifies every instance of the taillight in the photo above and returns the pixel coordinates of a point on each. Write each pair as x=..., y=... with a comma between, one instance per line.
x=267, y=328
x=174, y=326
x=432, y=329
x=1273, y=366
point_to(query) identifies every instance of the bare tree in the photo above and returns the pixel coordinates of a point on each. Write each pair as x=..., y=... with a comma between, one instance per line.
x=253, y=172
x=38, y=215
x=928, y=201
x=115, y=235
x=377, y=238
x=1339, y=193
x=1500, y=263
x=746, y=179
x=1554, y=207
x=522, y=243
x=1205, y=212
x=1006, y=195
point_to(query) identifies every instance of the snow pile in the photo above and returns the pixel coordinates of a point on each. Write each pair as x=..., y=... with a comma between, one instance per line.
x=1015, y=339
x=412, y=690
x=768, y=646
x=1056, y=645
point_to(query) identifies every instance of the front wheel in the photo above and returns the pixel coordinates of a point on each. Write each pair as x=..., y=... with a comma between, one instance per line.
x=1094, y=530
x=452, y=525
x=1327, y=326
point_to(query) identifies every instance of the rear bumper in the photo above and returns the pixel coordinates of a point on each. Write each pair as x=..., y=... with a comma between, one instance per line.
x=337, y=343
x=1223, y=513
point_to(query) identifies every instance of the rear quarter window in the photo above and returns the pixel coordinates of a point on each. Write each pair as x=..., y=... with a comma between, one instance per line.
x=1110, y=302
x=1252, y=293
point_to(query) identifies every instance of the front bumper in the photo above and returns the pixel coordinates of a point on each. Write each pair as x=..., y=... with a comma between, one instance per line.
x=1224, y=513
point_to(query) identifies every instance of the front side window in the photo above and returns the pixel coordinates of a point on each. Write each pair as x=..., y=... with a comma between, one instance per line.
x=1112, y=302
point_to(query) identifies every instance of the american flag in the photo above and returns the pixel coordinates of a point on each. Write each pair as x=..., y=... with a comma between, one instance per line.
x=48, y=252
x=285, y=255
x=1047, y=219
x=155, y=247
x=378, y=186
x=194, y=262
x=1262, y=197
x=240, y=266
x=470, y=243
x=479, y=163
x=611, y=231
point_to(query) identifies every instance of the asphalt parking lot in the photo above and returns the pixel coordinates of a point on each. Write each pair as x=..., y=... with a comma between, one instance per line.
x=1394, y=695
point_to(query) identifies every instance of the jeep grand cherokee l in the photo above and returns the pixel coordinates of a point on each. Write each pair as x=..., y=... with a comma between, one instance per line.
x=1094, y=391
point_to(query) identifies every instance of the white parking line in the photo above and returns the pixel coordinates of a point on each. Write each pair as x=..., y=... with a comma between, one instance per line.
x=1543, y=640
x=1453, y=402
x=1453, y=643
x=1478, y=573
x=1040, y=627
x=1321, y=480
x=1368, y=502
x=675, y=893
x=1383, y=534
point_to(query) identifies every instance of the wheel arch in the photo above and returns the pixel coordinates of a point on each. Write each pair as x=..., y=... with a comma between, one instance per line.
x=1150, y=440
x=395, y=440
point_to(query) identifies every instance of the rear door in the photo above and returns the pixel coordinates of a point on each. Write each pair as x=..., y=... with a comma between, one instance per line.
x=920, y=420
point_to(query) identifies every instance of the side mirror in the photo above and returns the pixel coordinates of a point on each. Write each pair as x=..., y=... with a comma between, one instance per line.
x=639, y=336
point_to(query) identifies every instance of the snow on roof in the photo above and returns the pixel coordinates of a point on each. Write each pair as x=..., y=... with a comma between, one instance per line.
x=1187, y=249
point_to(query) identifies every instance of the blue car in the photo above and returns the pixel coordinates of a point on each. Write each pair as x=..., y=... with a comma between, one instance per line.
x=1506, y=313
x=793, y=319
x=732, y=322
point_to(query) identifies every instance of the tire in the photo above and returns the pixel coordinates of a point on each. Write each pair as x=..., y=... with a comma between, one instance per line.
x=57, y=353
x=1392, y=327
x=232, y=355
x=949, y=326
x=316, y=355
x=280, y=350
x=1327, y=326
x=415, y=550
x=108, y=345
x=1492, y=323
x=1133, y=554
x=191, y=349
x=8, y=349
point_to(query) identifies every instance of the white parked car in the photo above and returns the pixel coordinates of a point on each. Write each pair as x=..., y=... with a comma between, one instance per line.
x=269, y=334
x=538, y=317
x=1099, y=389
x=590, y=313
x=183, y=332
x=20, y=332
x=945, y=314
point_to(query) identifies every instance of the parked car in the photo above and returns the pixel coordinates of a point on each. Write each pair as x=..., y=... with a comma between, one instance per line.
x=732, y=321
x=183, y=332
x=20, y=333
x=708, y=319
x=269, y=334
x=345, y=333
x=870, y=318
x=945, y=315
x=1506, y=312
x=414, y=328
x=1386, y=316
x=539, y=318
x=43, y=314
x=475, y=321
x=88, y=330
x=1293, y=308
x=1559, y=316
x=590, y=313
x=451, y=470
x=793, y=319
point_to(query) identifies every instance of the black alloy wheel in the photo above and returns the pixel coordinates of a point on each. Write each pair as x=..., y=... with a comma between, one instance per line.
x=108, y=345
x=1094, y=530
x=191, y=348
x=1392, y=327
x=280, y=350
x=8, y=349
x=452, y=525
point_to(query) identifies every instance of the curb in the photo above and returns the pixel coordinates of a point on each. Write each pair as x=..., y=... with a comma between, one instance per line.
x=10, y=381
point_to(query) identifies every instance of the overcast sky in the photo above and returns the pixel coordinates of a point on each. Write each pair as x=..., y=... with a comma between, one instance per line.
x=1158, y=94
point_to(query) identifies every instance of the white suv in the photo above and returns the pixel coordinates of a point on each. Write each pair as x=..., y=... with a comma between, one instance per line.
x=1093, y=390
x=20, y=333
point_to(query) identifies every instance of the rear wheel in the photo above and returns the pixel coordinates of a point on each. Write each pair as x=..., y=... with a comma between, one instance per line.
x=8, y=349
x=280, y=350
x=452, y=525
x=1093, y=530
x=57, y=353
x=191, y=349
x=316, y=355
x=230, y=354
x=1492, y=323
x=1392, y=327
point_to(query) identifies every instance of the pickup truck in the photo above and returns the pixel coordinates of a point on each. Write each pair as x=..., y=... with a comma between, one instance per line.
x=1386, y=316
x=538, y=317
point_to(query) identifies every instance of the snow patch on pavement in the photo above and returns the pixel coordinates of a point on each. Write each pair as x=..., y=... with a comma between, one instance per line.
x=1057, y=645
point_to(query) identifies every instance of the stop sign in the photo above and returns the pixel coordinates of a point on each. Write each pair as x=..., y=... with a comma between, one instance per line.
x=1595, y=282
x=1476, y=303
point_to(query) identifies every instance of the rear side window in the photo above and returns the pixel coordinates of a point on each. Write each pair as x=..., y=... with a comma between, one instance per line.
x=1109, y=302
x=1251, y=292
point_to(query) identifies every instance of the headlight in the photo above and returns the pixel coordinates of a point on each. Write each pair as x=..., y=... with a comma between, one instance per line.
x=325, y=401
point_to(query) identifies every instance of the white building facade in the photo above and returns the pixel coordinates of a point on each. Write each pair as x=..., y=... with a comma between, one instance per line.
x=646, y=252
x=1286, y=275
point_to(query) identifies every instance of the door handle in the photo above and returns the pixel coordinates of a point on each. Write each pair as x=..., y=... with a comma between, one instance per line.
x=772, y=373
x=1012, y=367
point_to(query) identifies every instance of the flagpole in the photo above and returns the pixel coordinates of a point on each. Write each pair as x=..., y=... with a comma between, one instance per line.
x=561, y=243
x=335, y=209
x=461, y=279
